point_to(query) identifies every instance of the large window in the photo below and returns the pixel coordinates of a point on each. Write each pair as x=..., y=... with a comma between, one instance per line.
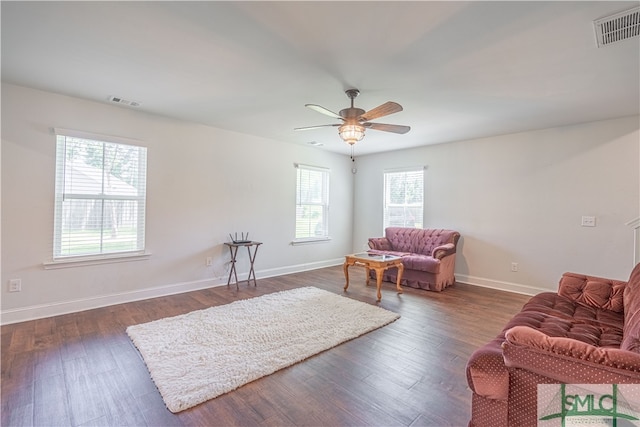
x=403, y=198
x=312, y=203
x=100, y=197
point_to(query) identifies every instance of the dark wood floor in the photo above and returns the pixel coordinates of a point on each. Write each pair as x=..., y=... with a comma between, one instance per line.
x=82, y=370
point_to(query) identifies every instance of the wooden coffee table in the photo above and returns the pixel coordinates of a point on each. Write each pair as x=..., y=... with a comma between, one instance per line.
x=379, y=263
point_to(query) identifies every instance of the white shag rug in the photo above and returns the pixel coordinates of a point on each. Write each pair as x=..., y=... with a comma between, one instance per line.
x=197, y=356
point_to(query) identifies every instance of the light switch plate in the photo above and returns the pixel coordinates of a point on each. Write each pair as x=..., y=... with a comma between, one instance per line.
x=15, y=285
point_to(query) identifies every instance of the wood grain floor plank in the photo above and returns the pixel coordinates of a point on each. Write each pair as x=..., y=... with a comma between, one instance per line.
x=18, y=416
x=51, y=406
x=155, y=412
x=17, y=404
x=121, y=408
x=85, y=399
x=130, y=363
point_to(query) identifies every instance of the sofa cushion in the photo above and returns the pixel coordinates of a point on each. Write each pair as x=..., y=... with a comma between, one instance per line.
x=562, y=307
x=631, y=340
x=429, y=239
x=401, y=238
x=553, y=319
x=414, y=262
x=593, y=291
x=421, y=263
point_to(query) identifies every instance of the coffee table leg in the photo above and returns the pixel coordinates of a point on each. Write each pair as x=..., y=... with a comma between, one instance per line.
x=400, y=272
x=345, y=267
x=379, y=272
x=367, y=270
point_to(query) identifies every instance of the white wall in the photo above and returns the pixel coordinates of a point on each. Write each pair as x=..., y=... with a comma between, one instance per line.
x=514, y=198
x=202, y=183
x=520, y=198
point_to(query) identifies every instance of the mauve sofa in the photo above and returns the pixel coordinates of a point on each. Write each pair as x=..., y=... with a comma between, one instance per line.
x=586, y=333
x=428, y=256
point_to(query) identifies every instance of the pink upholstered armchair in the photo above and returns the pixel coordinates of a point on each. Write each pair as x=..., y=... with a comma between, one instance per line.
x=428, y=256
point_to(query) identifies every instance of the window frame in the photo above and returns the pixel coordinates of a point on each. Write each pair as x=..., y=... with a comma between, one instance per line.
x=59, y=257
x=324, y=203
x=418, y=220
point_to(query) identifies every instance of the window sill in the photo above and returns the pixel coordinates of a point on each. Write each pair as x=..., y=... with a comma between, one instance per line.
x=95, y=260
x=310, y=240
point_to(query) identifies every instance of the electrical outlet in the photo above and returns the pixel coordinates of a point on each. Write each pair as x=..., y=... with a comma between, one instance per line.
x=514, y=267
x=209, y=261
x=588, y=221
x=15, y=285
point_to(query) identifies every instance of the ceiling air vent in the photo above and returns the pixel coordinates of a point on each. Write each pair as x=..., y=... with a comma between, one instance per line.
x=614, y=28
x=122, y=101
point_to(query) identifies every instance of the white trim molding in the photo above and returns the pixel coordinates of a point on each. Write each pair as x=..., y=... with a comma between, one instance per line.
x=95, y=260
x=499, y=285
x=308, y=240
x=635, y=224
x=40, y=311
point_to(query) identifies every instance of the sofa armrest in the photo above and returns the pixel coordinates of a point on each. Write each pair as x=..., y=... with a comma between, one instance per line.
x=487, y=375
x=593, y=291
x=568, y=361
x=380, y=243
x=444, y=250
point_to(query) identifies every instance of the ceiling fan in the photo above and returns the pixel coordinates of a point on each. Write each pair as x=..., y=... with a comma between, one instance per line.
x=356, y=120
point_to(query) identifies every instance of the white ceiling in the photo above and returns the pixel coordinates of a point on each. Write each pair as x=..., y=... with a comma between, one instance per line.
x=461, y=70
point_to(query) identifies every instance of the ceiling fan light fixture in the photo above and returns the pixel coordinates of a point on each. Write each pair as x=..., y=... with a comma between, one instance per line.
x=356, y=120
x=351, y=133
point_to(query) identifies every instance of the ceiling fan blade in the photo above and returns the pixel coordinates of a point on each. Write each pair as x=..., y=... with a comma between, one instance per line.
x=316, y=127
x=388, y=128
x=385, y=109
x=320, y=109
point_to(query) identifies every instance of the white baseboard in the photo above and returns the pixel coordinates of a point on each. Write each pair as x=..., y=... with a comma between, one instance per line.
x=299, y=268
x=72, y=306
x=496, y=284
x=40, y=311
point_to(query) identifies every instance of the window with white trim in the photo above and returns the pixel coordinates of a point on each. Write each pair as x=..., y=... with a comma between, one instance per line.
x=403, y=198
x=312, y=203
x=100, y=196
